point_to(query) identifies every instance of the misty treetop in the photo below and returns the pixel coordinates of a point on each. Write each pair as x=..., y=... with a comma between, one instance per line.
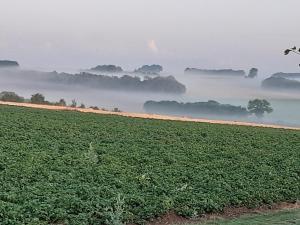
x=128, y=83
x=279, y=82
x=220, y=72
x=198, y=108
x=252, y=73
x=8, y=64
x=107, y=69
x=287, y=75
x=166, y=84
x=150, y=69
x=257, y=107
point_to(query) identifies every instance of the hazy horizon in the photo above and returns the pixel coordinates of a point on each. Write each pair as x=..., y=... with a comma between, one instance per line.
x=64, y=34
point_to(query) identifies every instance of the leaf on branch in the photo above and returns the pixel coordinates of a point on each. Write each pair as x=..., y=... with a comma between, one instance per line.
x=287, y=51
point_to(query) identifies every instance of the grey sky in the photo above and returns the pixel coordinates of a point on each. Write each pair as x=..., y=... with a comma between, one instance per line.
x=175, y=33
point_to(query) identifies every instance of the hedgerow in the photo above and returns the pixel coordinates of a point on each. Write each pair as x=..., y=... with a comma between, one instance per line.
x=59, y=167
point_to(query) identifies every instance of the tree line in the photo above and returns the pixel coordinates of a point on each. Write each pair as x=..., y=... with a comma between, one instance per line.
x=258, y=107
x=38, y=98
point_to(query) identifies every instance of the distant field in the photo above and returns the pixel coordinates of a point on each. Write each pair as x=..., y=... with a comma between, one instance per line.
x=63, y=167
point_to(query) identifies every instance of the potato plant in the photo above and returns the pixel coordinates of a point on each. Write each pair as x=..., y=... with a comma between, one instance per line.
x=65, y=167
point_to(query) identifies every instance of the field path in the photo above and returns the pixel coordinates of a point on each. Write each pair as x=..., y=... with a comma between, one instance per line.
x=146, y=116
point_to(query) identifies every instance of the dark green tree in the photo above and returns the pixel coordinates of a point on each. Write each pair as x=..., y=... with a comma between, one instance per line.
x=259, y=107
x=10, y=97
x=37, y=98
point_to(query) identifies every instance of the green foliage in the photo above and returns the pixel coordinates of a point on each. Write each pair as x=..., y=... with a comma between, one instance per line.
x=116, y=212
x=91, y=155
x=259, y=107
x=8, y=96
x=37, y=99
x=136, y=169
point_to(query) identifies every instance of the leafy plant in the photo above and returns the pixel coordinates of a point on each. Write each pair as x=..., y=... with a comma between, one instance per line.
x=67, y=167
x=91, y=154
x=116, y=212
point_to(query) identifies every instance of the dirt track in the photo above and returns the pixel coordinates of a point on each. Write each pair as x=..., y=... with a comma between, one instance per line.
x=147, y=116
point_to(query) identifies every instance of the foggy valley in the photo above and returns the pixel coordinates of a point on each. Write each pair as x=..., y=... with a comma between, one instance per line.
x=155, y=112
x=225, y=89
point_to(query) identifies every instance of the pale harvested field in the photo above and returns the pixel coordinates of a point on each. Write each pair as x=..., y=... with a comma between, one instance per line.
x=146, y=116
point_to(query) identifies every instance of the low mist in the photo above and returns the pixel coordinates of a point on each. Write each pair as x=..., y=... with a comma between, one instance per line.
x=232, y=90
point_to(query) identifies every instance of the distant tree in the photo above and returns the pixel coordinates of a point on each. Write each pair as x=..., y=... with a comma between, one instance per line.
x=94, y=107
x=62, y=102
x=259, y=107
x=74, y=103
x=37, y=99
x=108, y=68
x=116, y=110
x=253, y=73
x=82, y=106
x=8, y=63
x=293, y=50
x=149, y=69
x=10, y=97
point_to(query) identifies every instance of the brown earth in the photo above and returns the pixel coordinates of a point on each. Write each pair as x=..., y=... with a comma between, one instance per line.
x=147, y=116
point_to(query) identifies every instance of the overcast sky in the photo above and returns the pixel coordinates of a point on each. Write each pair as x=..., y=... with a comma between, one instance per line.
x=66, y=34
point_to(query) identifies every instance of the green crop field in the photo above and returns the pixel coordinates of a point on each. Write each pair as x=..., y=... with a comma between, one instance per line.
x=59, y=167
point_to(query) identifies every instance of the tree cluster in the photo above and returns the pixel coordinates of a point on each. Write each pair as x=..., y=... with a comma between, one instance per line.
x=257, y=107
x=150, y=69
